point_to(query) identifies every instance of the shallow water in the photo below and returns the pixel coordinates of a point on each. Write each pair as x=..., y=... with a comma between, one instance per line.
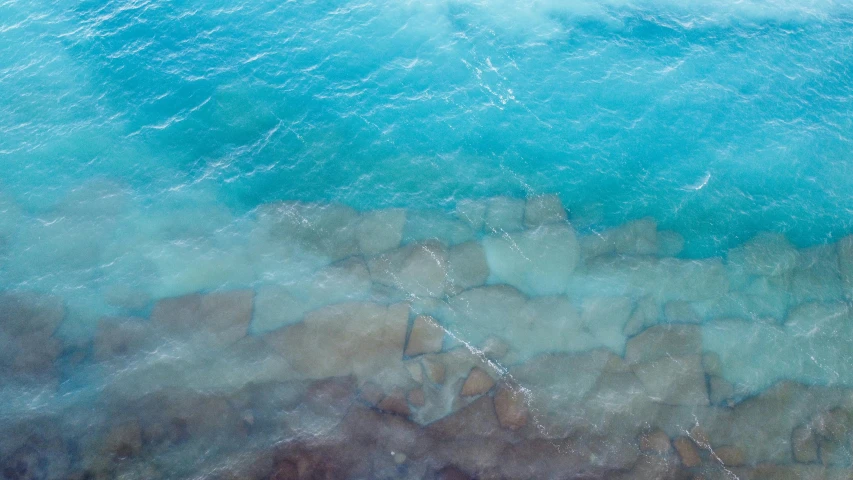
x=422, y=239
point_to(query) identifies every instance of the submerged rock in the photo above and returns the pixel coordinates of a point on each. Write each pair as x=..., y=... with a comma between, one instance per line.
x=804, y=445
x=436, y=225
x=817, y=276
x=504, y=214
x=687, y=451
x=729, y=456
x=537, y=262
x=674, y=380
x=175, y=416
x=472, y=212
x=395, y=402
x=542, y=210
x=416, y=397
x=495, y=348
x=721, y=391
x=477, y=419
x=327, y=230
x=29, y=357
x=477, y=383
x=223, y=316
x=663, y=279
x=452, y=473
x=480, y=311
x=27, y=313
x=435, y=370
x=279, y=305
x=664, y=340
x=638, y=237
x=380, y=230
x=423, y=272
x=123, y=440
x=416, y=270
x=467, y=266
x=427, y=336
x=364, y=339
x=28, y=349
x=679, y=311
x=510, y=407
x=670, y=243
x=35, y=461
x=766, y=254
x=121, y=337
x=605, y=318
x=656, y=441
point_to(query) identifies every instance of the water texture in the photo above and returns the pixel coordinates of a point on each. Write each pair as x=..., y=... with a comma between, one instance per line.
x=447, y=239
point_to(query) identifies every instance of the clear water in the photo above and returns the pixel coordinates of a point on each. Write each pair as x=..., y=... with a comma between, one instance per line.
x=144, y=147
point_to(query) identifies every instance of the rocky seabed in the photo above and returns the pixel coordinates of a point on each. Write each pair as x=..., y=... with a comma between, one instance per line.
x=493, y=343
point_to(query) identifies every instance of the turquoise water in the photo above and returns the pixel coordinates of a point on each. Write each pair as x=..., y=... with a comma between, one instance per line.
x=555, y=179
x=622, y=106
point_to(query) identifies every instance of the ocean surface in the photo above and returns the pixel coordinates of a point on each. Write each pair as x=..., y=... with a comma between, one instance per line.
x=396, y=239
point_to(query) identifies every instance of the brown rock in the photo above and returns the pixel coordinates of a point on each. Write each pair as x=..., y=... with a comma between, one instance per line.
x=435, y=370
x=395, y=402
x=416, y=397
x=477, y=383
x=511, y=408
x=427, y=336
x=656, y=441
x=730, y=456
x=804, y=445
x=687, y=451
